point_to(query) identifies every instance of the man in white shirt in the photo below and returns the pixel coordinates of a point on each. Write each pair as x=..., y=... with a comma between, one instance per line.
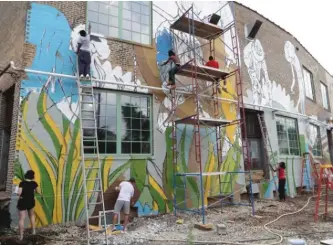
x=83, y=51
x=126, y=192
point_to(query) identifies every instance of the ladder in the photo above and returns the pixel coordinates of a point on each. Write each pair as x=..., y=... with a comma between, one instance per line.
x=325, y=183
x=268, y=151
x=89, y=150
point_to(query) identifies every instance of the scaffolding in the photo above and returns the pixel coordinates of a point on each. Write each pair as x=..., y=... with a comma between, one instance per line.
x=191, y=24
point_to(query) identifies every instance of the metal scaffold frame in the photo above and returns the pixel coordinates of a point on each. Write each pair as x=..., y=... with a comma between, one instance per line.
x=194, y=28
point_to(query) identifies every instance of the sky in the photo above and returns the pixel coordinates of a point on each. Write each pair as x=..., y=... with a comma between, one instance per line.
x=309, y=21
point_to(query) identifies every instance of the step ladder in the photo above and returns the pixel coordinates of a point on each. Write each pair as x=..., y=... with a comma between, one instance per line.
x=89, y=150
x=325, y=183
x=268, y=151
x=308, y=177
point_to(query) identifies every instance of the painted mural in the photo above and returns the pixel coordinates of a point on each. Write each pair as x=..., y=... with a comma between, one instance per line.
x=49, y=140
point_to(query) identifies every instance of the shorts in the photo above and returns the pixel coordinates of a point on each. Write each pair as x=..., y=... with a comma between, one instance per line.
x=23, y=205
x=121, y=204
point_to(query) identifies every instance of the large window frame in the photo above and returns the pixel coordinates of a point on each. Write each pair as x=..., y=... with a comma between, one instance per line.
x=129, y=21
x=325, y=96
x=288, y=141
x=317, y=149
x=112, y=123
x=309, y=89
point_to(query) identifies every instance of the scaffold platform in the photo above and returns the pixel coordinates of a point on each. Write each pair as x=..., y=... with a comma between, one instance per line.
x=208, y=122
x=201, y=29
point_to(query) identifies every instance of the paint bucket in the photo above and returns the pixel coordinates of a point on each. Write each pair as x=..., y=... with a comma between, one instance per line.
x=119, y=227
x=296, y=242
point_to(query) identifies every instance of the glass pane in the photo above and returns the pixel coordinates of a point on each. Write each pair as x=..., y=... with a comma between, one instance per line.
x=145, y=19
x=93, y=6
x=145, y=29
x=113, y=32
x=111, y=123
x=111, y=135
x=135, y=7
x=127, y=5
x=111, y=99
x=103, y=8
x=113, y=21
x=101, y=147
x=126, y=135
x=145, y=135
x=92, y=16
x=136, y=123
x=135, y=101
x=126, y=123
x=136, y=28
x=145, y=39
x=136, y=37
x=125, y=99
x=136, y=135
x=136, y=148
x=113, y=3
x=114, y=11
x=127, y=25
x=145, y=10
x=126, y=147
x=127, y=14
x=127, y=35
x=136, y=17
x=103, y=19
x=145, y=148
x=145, y=3
x=94, y=27
x=145, y=124
x=111, y=147
x=103, y=29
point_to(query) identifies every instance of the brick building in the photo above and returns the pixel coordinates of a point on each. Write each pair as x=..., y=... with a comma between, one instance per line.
x=282, y=81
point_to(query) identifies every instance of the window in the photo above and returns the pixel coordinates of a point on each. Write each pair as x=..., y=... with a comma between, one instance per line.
x=287, y=135
x=315, y=140
x=308, y=83
x=124, y=123
x=324, y=95
x=129, y=20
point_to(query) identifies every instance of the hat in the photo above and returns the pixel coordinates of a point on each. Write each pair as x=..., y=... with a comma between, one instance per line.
x=132, y=180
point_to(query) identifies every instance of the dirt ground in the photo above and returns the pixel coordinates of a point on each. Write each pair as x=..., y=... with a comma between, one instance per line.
x=241, y=227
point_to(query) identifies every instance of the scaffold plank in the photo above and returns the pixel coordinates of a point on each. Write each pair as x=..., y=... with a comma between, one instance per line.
x=205, y=73
x=208, y=122
x=201, y=29
x=203, y=174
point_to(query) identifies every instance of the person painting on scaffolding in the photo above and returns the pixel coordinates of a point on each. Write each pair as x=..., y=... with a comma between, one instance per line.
x=126, y=193
x=214, y=64
x=26, y=202
x=172, y=72
x=83, y=51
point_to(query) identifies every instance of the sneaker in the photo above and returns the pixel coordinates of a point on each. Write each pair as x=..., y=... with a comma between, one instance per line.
x=81, y=76
x=87, y=76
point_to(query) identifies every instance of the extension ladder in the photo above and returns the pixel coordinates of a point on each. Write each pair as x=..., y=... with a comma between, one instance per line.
x=325, y=182
x=89, y=150
x=305, y=172
x=267, y=146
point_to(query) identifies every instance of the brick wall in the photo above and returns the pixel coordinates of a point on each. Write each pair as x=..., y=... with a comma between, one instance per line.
x=273, y=39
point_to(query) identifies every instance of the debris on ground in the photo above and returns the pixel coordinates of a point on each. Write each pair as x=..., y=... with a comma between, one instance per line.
x=231, y=223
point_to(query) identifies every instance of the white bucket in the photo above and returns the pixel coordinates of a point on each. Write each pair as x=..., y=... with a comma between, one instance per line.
x=296, y=242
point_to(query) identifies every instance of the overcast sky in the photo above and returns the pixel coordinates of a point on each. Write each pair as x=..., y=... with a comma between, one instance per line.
x=311, y=22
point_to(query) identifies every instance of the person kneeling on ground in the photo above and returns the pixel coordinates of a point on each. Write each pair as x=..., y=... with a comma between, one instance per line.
x=172, y=72
x=282, y=180
x=83, y=51
x=26, y=202
x=126, y=193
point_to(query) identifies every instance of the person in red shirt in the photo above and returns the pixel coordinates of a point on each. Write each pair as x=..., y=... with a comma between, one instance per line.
x=212, y=63
x=281, y=169
x=172, y=72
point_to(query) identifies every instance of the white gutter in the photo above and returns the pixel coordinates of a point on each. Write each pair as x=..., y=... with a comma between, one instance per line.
x=117, y=83
x=163, y=89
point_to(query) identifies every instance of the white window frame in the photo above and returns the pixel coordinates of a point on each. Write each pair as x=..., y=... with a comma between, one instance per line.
x=289, y=137
x=308, y=83
x=318, y=150
x=324, y=95
x=126, y=20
